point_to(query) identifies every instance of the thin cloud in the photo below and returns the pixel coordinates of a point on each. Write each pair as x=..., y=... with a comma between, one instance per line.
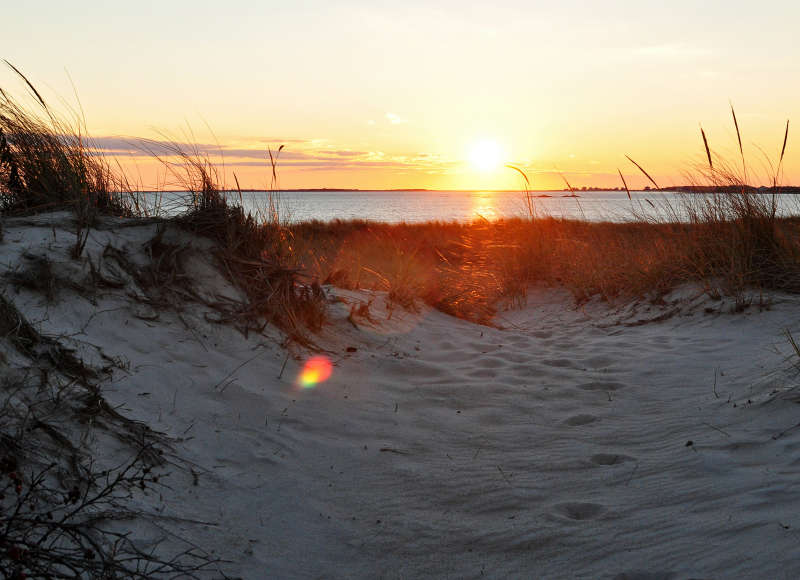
x=671, y=51
x=313, y=155
x=395, y=119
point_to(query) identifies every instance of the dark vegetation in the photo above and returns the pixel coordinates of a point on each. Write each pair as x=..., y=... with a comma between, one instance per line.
x=49, y=164
x=62, y=511
x=256, y=255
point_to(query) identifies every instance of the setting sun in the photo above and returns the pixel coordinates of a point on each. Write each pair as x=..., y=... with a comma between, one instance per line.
x=485, y=155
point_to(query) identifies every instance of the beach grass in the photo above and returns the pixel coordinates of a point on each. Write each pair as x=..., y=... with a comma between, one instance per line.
x=730, y=240
x=472, y=269
x=48, y=162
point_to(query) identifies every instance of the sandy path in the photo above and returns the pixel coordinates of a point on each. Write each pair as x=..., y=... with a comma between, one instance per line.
x=558, y=449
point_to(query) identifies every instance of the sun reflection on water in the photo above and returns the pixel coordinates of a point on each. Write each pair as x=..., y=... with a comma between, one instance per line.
x=484, y=205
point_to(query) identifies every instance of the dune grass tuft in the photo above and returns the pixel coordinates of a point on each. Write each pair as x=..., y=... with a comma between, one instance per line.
x=48, y=163
x=254, y=250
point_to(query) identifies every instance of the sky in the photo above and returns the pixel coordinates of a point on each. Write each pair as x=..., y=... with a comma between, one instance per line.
x=420, y=94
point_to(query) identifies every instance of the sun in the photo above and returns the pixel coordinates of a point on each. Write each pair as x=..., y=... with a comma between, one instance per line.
x=485, y=155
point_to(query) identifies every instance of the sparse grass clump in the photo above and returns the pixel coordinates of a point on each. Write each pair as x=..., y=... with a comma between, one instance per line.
x=36, y=274
x=256, y=254
x=48, y=163
x=60, y=506
x=469, y=270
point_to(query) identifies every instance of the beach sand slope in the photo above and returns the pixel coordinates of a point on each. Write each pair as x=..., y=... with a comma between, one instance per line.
x=640, y=442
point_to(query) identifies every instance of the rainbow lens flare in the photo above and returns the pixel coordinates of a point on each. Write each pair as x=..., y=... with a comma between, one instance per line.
x=316, y=370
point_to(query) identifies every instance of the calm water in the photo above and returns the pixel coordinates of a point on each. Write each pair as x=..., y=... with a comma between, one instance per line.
x=418, y=206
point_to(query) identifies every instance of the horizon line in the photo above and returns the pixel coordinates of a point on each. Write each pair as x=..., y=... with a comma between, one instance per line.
x=588, y=189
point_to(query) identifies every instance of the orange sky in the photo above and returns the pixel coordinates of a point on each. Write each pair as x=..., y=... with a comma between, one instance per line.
x=397, y=95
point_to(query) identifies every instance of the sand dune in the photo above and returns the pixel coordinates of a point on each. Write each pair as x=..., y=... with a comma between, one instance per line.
x=635, y=442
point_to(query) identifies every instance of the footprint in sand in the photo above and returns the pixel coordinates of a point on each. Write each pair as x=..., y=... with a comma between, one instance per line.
x=599, y=361
x=490, y=362
x=577, y=420
x=579, y=510
x=639, y=575
x=482, y=374
x=601, y=386
x=559, y=362
x=611, y=459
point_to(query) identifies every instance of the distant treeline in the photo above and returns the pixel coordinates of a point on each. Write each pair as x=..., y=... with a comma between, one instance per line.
x=733, y=189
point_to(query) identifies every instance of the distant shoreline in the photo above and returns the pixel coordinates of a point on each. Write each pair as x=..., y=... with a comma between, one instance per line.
x=789, y=189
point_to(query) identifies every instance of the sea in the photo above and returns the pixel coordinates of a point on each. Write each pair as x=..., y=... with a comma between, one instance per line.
x=464, y=206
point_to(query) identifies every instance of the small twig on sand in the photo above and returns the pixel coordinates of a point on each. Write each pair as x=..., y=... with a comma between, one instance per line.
x=716, y=395
x=392, y=450
x=194, y=332
x=785, y=431
x=717, y=429
x=230, y=374
x=283, y=366
x=505, y=477
x=630, y=477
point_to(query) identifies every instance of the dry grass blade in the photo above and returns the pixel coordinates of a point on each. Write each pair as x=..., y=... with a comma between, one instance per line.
x=273, y=161
x=785, y=139
x=738, y=133
x=522, y=173
x=27, y=82
x=708, y=151
x=238, y=188
x=529, y=203
x=571, y=190
x=574, y=195
x=628, y=191
x=792, y=342
x=647, y=175
x=739, y=139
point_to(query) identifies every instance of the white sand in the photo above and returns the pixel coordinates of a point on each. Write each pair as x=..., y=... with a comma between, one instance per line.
x=553, y=448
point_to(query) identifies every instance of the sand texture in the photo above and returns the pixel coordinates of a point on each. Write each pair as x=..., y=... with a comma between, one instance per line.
x=640, y=442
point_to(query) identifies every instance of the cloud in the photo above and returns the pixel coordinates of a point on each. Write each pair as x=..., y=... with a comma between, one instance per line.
x=671, y=51
x=313, y=155
x=395, y=119
x=137, y=146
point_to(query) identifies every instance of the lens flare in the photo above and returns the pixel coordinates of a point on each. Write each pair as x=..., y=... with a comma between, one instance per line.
x=317, y=370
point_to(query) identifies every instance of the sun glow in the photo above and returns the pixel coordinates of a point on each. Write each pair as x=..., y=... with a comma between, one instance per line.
x=485, y=155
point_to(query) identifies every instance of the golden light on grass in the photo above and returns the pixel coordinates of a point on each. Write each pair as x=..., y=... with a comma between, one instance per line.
x=485, y=155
